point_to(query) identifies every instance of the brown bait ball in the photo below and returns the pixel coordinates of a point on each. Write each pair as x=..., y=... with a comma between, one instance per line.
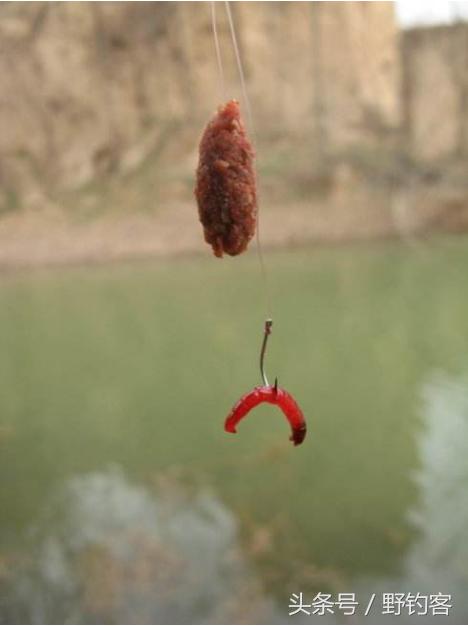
x=226, y=189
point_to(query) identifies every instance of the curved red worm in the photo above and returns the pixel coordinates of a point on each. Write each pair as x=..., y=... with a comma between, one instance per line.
x=272, y=395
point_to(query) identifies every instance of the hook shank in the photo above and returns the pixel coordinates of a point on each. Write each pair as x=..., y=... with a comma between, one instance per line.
x=266, y=333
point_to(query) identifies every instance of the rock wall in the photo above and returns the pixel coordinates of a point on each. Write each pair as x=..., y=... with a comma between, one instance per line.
x=83, y=87
x=92, y=89
x=435, y=92
x=358, y=71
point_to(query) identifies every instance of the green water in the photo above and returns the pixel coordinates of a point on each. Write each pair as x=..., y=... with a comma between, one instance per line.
x=127, y=372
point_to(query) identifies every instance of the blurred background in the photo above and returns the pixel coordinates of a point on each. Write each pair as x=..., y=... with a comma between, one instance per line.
x=121, y=498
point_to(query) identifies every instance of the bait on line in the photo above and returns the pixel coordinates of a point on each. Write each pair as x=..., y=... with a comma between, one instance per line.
x=226, y=194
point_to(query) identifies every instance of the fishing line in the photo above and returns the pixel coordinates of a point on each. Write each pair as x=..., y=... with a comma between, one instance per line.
x=240, y=69
x=246, y=99
x=218, y=51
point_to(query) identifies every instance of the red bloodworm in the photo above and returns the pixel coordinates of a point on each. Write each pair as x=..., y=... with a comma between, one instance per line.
x=272, y=395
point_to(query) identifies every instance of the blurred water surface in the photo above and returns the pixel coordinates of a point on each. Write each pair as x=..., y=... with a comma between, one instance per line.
x=122, y=499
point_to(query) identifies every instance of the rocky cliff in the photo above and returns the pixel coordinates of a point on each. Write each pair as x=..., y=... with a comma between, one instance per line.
x=435, y=92
x=361, y=131
x=91, y=89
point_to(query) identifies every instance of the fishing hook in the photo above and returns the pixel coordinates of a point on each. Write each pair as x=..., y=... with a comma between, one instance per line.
x=272, y=395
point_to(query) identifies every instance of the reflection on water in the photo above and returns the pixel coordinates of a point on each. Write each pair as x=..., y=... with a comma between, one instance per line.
x=443, y=478
x=108, y=550
x=438, y=560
